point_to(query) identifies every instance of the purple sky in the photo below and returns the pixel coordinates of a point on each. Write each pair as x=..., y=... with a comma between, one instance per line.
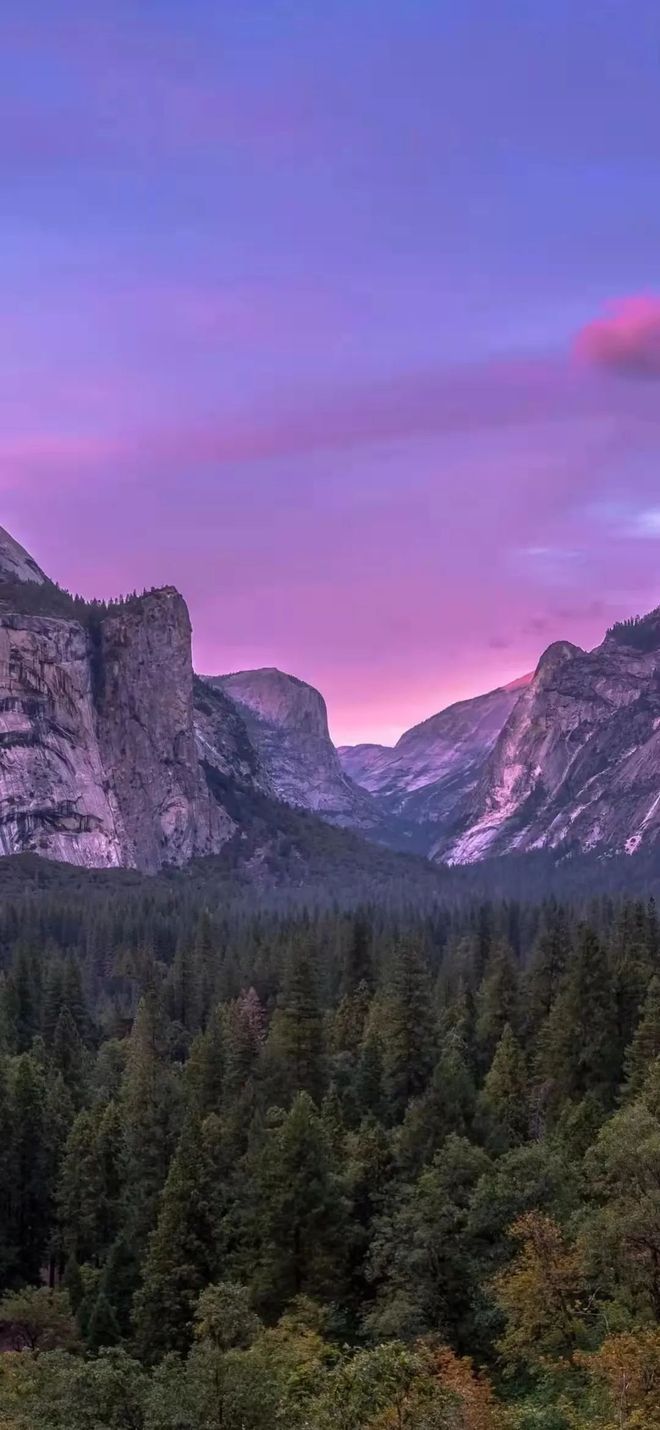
x=341, y=317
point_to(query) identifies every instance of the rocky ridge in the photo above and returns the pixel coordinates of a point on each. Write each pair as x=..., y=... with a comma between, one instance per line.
x=286, y=723
x=576, y=767
x=422, y=781
x=114, y=753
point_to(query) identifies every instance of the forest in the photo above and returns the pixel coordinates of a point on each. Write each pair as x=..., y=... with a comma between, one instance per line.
x=324, y=1167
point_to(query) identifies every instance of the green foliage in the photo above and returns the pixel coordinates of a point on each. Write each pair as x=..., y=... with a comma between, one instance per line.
x=262, y=1168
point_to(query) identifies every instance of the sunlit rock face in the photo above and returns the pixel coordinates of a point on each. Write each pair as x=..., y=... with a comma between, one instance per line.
x=15, y=563
x=287, y=725
x=577, y=764
x=55, y=798
x=98, y=755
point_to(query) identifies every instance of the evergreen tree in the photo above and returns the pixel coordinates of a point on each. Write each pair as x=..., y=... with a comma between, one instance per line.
x=580, y=1036
x=183, y=1250
x=369, y=1077
x=32, y=1187
x=186, y=989
x=68, y=1054
x=497, y=1001
x=357, y=969
x=408, y=1034
x=8, y=1173
x=205, y=1069
x=295, y=1041
x=149, y=1123
x=81, y=1191
x=300, y=1210
x=645, y=1046
x=547, y=968
x=73, y=998
x=503, y=1106
x=103, y=1327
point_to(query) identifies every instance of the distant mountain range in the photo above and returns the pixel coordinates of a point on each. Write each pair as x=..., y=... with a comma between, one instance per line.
x=114, y=753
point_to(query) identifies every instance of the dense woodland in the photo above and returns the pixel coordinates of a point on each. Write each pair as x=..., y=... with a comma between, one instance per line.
x=327, y=1168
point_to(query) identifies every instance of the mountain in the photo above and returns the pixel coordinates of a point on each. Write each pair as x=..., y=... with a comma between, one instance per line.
x=113, y=754
x=98, y=759
x=420, y=783
x=286, y=722
x=15, y=563
x=576, y=767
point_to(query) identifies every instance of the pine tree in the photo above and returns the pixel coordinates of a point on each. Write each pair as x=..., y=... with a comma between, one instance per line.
x=7, y=1176
x=446, y=1107
x=205, y=1069
x=186, y=988
x=645, y=1046
x=103, y=1326
x=73, y=998
x=32, y=1188
x=68, y=1054
x=182, y=1254
x=81, y=1191
x=631, y=970
x=497, y=1001
x=408, y=1031
x=369, y=1078
x=23, y=998
x=504, y=1099
x=588, y=1022
x=207, y=963
x=53, y=1000
x=119, y=1279
x=296, y=1035
x=547, y=967
x=149, y=1116
x=300, y=1210
x=357, y=970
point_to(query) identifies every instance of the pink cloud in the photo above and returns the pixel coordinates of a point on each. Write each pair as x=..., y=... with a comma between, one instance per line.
x=626, y=339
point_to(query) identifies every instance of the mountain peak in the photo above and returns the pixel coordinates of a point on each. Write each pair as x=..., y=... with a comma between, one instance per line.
x=16, y=564
x=283, y=700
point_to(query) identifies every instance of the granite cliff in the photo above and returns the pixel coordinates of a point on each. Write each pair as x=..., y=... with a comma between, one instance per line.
x=98, y=757
x=576, y=766
x=286, y=723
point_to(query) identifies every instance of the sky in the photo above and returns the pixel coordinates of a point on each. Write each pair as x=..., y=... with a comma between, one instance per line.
x=344, y=319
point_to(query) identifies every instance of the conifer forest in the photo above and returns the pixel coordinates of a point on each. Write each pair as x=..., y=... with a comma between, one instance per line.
x=327, y=1168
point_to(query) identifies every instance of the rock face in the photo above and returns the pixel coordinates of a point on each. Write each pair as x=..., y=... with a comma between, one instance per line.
x=431, y=771
x=577, y=764
x=54, y=794
x=15, y=563
x=286, y=723
x=98, y=761
x=147, y=736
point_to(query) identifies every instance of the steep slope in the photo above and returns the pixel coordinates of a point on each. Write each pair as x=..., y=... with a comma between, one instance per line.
x=577, y=765
x=98, y=759
x=286, y=723
x=15, y=563
x=432, y=769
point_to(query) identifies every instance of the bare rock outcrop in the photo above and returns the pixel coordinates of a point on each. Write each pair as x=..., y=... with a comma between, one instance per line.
x=142, y=664
x=286, y=722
